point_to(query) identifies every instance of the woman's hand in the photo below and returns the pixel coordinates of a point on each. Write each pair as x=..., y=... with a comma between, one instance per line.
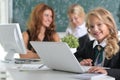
x=86, y=62
x=96, y=69
x=30, y=55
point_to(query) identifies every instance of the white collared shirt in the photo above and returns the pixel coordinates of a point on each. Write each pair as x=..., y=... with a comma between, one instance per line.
x=78, y=31
x=103, y=44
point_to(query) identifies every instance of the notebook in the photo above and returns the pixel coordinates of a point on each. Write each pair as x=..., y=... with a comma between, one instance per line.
x=58, y=56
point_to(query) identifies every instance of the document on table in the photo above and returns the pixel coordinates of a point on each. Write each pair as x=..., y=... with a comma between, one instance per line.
x=26, y=61
x=90, y=76
x=31, y=67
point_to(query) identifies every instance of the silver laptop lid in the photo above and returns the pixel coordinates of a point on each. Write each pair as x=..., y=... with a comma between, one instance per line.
x=57, y=55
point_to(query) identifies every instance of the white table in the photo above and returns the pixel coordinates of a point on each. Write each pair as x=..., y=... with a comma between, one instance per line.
x=47, y=74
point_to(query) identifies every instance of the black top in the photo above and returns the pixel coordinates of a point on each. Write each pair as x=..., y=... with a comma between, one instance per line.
x=83, y=41
x=113, y=63
x=29, y=45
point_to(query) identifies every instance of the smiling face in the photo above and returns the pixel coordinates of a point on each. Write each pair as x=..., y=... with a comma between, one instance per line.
x=47, y=18
x=97, y=28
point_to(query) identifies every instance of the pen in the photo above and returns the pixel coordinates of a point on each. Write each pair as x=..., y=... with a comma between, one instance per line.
x=41, y=66
x=106, y=67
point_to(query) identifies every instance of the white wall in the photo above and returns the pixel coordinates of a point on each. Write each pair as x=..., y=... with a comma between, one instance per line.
x=5, y=17
x=5, y=11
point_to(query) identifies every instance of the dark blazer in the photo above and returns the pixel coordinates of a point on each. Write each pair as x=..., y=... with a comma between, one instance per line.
x=113, y=63
x=83, y=41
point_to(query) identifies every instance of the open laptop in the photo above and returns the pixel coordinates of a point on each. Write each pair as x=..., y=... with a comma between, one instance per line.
x=58, y=56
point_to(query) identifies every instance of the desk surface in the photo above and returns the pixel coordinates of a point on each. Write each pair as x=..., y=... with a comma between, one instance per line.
x=40, y=75
x=47, y=74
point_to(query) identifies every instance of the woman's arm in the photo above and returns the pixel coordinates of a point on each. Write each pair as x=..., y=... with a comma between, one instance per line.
x=111, y=72
x=56, y=37
x=29, y=54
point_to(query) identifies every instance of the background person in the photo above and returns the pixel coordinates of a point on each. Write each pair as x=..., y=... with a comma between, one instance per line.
x=41, y=27
x=77, y=23
x=76, y=17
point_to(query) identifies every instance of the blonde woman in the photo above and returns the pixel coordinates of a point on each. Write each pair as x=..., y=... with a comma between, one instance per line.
x=77, y=26
x=104, y=50
x=76, y=17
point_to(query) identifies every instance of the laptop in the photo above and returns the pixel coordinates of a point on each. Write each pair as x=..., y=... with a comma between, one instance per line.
x=58, y=56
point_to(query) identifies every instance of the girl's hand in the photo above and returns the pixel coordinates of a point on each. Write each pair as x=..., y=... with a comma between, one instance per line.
x=97, y=69
x=86, y=62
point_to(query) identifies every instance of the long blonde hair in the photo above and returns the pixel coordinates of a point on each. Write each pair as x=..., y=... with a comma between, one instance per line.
x=112, y=40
